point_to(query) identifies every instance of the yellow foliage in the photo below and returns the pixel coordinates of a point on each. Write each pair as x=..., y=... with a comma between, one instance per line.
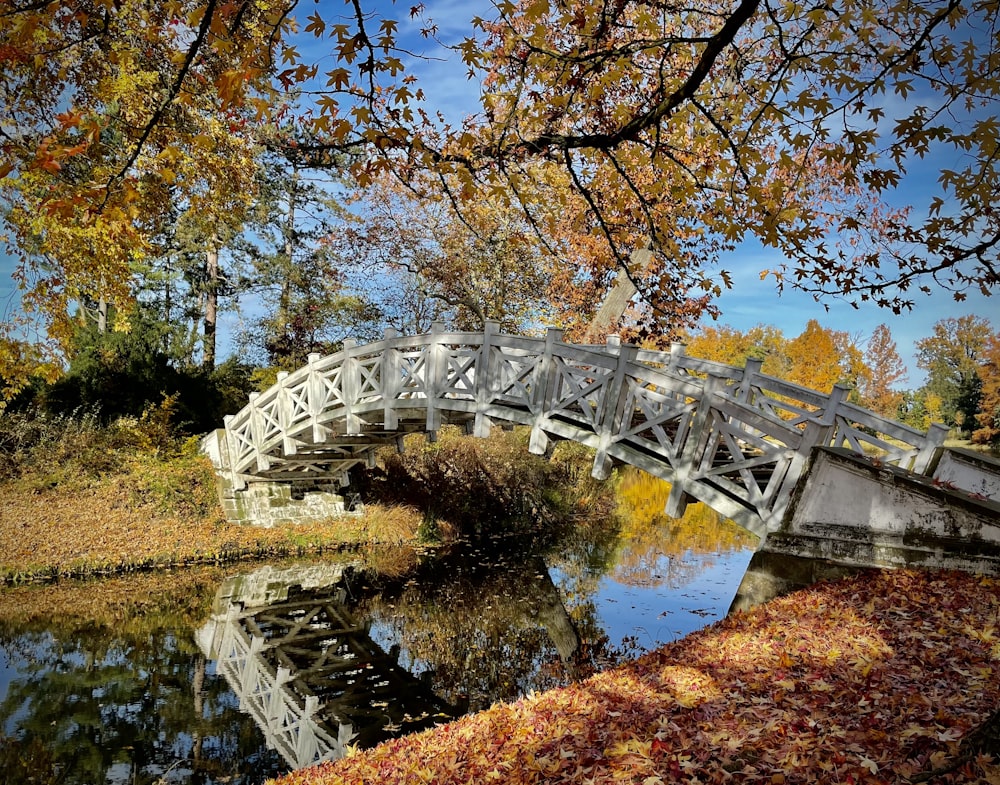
x=646, y=530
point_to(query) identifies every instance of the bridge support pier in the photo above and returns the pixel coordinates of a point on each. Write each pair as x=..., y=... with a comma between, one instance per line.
x=268, y=503
x=771, y=574
x=678, y=500
x=858, y=511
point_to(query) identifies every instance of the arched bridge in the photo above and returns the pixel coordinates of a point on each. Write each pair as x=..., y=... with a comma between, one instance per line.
x=732, y=437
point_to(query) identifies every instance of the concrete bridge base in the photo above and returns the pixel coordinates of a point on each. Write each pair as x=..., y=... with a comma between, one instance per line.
x=274, y=503
x=858, y=511
x=270, y=504
x=854, y=512
x=772, y=574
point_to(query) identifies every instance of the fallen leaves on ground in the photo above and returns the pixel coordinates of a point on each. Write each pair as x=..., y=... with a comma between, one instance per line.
x=875, y=679
x=103, y=529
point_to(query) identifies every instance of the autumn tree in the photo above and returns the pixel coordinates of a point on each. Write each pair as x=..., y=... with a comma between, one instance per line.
x=988, y=417
x=114, y=114
x=921, y=408
x=687, y=128
x=696, y=129
x=731, y=346
x=481, y=264
x=952, y=356
x=818, y=358
x=885, y=370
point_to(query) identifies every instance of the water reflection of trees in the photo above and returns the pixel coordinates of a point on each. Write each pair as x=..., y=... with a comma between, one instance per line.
x=114, y=695
x=653, y=546
x=484, y=624
x=112, y=708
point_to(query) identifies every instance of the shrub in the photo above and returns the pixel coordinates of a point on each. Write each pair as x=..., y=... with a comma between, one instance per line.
x=480, y=485
x=37, y=442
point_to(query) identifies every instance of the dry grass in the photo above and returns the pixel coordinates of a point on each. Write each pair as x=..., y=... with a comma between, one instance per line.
x=79, y=498
x=104, y=528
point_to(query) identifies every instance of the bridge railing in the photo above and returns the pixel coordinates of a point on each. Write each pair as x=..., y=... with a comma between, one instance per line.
x=291, y=724
x=733, y=437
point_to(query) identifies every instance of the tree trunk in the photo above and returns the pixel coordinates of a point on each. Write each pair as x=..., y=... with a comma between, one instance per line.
x=211, y=304
x=617, y=299
x=198, y=687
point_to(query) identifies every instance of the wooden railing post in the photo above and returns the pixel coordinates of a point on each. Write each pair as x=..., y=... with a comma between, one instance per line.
x=390, y=381
x=677, y=352
x=544, y=391
x=487, y=381
x=695, y=444
x=350, y=386
x=284, y=404
x=745, y=392
x=226, y=456
x=828, y=417
x=609, y=421
x=923, y=462
x=316, y=398
x=751, y=371
x=433, y=381
x=257, y=434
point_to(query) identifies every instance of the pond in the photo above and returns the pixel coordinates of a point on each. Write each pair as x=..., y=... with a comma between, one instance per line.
x=237, y=674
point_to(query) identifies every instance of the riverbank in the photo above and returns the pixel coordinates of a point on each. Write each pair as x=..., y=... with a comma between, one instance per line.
x=883, y=678
x=50, y=535
x=886, y=677
x=79, y=499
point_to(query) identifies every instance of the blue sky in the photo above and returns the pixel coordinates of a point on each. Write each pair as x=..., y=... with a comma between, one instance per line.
x=750, y=301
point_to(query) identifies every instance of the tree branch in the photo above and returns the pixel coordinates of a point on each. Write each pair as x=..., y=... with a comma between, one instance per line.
x=630, y=130
x=175, y=89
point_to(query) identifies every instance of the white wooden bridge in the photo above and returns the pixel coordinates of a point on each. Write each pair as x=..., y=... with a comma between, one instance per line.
x=732, y=437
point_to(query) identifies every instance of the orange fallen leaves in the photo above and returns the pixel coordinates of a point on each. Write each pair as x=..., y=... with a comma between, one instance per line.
x=109, y=527
x=874, y=679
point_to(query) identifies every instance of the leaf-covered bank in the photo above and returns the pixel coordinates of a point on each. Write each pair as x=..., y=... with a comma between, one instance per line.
x=80, y=498
x=102, y=530
x=887, y=677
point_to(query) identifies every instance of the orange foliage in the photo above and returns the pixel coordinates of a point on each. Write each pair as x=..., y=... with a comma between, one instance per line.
x=818, y=358
x=886, y=369
x=728, y=345
x=989, y=407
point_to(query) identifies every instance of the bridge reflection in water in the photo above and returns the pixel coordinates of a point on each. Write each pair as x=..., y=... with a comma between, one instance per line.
x=307, y=669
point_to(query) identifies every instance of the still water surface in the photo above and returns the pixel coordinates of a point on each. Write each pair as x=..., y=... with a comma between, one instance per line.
x=239, y=674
